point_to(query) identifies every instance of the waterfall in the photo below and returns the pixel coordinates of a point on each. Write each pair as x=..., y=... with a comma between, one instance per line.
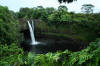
x=31, y=28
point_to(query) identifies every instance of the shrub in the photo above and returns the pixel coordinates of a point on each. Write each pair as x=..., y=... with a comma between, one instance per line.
x=10, y=55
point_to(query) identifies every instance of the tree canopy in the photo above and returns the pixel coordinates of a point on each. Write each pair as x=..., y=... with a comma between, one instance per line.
x=68, y=1
x=9, y=32
x=87, y=8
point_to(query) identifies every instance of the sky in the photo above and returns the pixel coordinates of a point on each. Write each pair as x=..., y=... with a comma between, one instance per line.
x=75, y=6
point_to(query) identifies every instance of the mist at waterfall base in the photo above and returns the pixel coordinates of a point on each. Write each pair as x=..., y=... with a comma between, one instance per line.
x=42, y=43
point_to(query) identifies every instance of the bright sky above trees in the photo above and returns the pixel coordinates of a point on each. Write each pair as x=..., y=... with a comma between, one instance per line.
x=15, y=5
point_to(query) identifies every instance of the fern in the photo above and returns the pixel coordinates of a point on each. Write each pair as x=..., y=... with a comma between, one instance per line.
x=89, y=56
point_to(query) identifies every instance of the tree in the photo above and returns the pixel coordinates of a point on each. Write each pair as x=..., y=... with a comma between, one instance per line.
x=25, y=13
x=87, y=8
x=68, y=1
x=50, y=10
x=9, y=31
x=62, y=8
x=40, y=7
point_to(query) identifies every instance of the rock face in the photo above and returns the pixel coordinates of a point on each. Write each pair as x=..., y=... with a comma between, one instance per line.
x=25, y=29
x=23, y=24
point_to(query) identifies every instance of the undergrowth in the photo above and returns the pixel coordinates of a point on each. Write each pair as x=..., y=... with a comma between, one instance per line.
x=89, y=56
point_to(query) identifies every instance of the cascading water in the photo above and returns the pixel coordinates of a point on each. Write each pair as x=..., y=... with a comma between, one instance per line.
x=31, y=28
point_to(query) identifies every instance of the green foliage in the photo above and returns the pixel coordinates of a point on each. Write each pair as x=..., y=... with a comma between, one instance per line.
x=87, y=8
x=62, y=8
x=86, y=57
x=60, y=21
x=25, y=13
x=10, y=55
x=89, y=56
x=82, y=25
x=55, y=22
x=9, y=29
x=68, y=1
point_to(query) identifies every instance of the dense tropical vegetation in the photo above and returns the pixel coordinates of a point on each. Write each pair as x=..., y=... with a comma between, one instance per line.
x=58, y=22
x=83, y=26
x=9, y=30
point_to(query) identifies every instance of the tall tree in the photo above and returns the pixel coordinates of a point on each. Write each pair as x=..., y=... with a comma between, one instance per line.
x=9, y=27
x=62, y=8
x=87, y=8
x=68, y=1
